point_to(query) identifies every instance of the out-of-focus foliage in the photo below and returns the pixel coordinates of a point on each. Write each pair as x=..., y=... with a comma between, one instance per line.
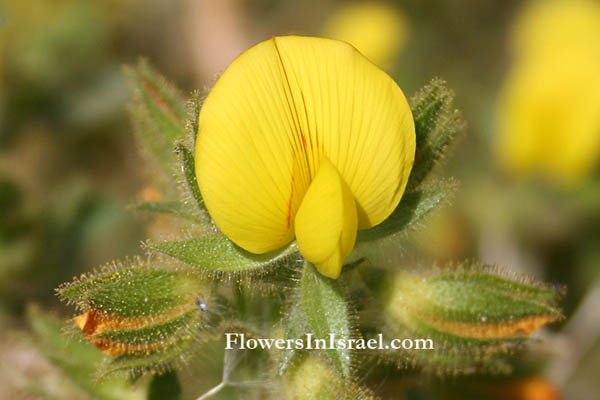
x=46, y=363
x=62, y=97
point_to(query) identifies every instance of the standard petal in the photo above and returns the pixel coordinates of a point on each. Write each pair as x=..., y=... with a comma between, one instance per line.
x=354, y=114
x=326, y=222
x=273, y=115
x=246, y=159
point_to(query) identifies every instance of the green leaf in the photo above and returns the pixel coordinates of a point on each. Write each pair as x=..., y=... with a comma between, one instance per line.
x=216, y=253
x=165, y=387
x=413, y=207
x=189, y=174
x=436, y=125
x=173, y=208
x=296, y=328
x=327, y=313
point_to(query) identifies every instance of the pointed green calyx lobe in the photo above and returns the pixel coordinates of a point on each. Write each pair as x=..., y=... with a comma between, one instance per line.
x=162, y=101
x=414, y=206
x=158, y=114
x=139, y=290
x=216, y=253
x=296, y=328
x=437, y=124
x=327, y=313
x=189, y=176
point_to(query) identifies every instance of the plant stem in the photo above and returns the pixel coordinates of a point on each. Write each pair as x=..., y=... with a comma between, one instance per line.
x=212, y=391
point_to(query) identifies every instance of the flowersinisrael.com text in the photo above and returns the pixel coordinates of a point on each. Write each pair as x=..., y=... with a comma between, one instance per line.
x=240, y=341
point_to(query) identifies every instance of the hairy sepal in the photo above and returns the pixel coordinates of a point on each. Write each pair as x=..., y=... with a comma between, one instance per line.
x=437, y=124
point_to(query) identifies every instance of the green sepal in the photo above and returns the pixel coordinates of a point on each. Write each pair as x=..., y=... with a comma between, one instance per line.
x=174, y=355
x=296, y=327
x=165, y=105
x=137, y=290
x=173, y=208
x=188, y=170
x=158, y=114
x=194, y=105
x=327, y=313
x=216, y=253
x=436, y=125
x=155, y=332
x=413, y=207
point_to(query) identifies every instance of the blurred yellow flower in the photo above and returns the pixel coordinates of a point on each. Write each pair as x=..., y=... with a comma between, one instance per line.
x=303, y=137
x=376, y=29
x=549, y=106
x=549, y=28
x=313, y=379
x=551, y=119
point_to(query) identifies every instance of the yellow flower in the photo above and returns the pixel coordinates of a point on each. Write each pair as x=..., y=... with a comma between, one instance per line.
x=376, y=29
x=303, y=137
x=549, y=108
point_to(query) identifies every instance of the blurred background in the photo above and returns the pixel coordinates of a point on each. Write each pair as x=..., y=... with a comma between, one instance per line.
x=526, y=76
